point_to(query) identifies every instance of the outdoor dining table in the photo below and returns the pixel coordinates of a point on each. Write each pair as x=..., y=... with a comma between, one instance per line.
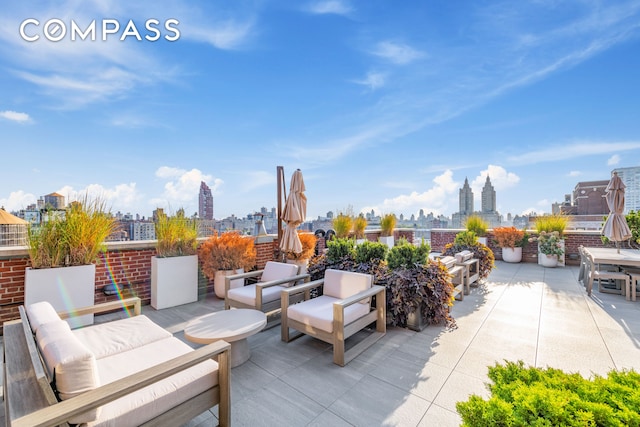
x=611, y=256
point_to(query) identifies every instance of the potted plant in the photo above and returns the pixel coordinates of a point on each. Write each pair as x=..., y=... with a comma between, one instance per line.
x=479, y=226
x=226, y=254
x=549, y=245
x=511, y=240
x=549, y=224
x=359, y=225
x=308, y=241
x=174, y=269
x=387, y=225
x=63, y=251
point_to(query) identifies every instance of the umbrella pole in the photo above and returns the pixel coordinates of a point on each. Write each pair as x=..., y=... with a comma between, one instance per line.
x=280, y=179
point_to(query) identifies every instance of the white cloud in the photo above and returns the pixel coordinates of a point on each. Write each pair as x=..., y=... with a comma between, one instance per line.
x=397, y=53
x=336, y=7
x=436, y=199
x=613, y=160
x=15, y=116
x=182, y=187
x=126, y=196
x=499, y=177
x=372, y=80
x=258, y=179
x=225, y=35
x=17, y=200
x=574, y=173
x=572, y=151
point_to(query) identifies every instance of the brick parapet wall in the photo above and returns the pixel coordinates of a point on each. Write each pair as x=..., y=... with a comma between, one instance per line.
x=126, y=264
x=573, y=239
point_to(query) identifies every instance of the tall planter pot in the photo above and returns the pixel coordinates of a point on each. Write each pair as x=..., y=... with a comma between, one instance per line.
x=549, y=261
x=219, y=278
x=65, y=288
x=512, y=254
x=174, y=281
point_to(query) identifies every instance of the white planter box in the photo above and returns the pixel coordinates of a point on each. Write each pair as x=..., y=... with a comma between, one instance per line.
x=65, y=288
x=174, y=281
x=387, y=240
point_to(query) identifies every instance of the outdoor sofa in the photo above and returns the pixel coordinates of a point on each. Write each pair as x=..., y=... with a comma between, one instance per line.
x=126, y=372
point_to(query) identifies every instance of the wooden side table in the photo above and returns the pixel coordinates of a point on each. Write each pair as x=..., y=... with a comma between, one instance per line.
x=233, y=326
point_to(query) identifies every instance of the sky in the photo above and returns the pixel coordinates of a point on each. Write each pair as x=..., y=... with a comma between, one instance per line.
x=383, y=105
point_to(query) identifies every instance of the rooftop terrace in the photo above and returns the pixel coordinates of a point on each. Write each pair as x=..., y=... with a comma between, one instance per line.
x=522, y=312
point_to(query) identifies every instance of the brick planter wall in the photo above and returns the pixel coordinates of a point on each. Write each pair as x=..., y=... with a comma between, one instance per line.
x=127, y=264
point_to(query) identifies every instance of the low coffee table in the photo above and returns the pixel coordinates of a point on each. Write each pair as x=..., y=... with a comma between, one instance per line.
x=233, y=326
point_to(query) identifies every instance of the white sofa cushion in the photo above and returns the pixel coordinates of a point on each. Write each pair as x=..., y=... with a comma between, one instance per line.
x=153, y=400
x=71, y=365
x=247, y=294
x=40, y=313
x=109, y=338
x=342, y=284
x=318, y=312
x=278, y=270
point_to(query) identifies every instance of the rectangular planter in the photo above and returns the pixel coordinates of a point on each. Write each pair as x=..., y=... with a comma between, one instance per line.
x=65, y=288
x=415, y=322
x=174, y=281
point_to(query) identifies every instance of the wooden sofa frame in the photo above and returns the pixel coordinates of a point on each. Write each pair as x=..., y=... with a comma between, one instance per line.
x=30, y=400
x=341, y=331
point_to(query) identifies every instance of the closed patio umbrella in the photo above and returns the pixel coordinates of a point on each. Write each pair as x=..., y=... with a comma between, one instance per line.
x=615, y=227
x=293, y=214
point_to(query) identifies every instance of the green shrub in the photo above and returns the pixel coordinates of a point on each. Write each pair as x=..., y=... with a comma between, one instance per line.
x=177, y=235
x=339, y=248
x=405, y=254
x=477, y=224
x=466, y=238
x=427, y=286
x=523, y=396
x=368, y=251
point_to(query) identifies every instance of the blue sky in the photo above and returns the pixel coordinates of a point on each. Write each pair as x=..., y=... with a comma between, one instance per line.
x=383, y=105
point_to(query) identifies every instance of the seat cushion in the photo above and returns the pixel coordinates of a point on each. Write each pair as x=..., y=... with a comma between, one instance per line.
x=278, y=270
x=40, y=313
x=318, y=312
x=342, y=284
x=247, y=294
x=149, y=402
x=109, y=338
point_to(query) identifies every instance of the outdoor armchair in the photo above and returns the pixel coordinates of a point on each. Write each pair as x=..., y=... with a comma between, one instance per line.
x=264, y=295
x=348, y=304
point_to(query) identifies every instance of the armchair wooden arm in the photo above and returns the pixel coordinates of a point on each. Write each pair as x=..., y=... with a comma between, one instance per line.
x=126, y=304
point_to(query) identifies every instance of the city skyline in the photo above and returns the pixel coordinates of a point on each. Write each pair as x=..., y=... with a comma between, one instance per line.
x=382, y=106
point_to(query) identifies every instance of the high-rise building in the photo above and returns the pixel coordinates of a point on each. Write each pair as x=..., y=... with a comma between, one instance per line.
x=205, y=202
x=631, y=179
x=488, y=197
x=466, y=199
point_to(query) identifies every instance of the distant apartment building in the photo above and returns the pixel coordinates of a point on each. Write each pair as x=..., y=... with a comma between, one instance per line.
x=142, y=230
x=54, y=201
x=205, y=202
x=488, y=205
x=631, y=178
x=589, y=198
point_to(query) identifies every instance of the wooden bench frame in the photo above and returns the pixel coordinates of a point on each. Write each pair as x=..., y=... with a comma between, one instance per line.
x=30, y=400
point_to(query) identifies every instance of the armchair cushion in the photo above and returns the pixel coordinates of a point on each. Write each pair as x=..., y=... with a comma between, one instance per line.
x=342, y=284
x=247, y=294
x=278, y=270
x=318, y=312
